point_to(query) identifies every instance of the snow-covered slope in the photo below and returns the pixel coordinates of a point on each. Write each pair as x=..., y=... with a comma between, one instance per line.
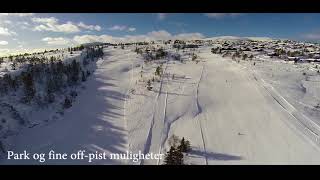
x=220, y=38
x=215, y=103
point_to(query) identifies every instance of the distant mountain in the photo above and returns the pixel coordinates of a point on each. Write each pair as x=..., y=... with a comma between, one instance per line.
x=260, y=38
x=92, y=44
x=217, y=38
x=236, y=38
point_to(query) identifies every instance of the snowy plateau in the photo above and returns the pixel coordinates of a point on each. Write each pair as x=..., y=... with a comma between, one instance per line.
x=237, y=101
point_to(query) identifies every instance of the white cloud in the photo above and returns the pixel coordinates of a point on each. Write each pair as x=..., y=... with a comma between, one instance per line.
x=89, y=27
x=17, y=14
x=159, y=35
x=131, y=29
x=118, y=28
x=7, y=21
x=23, y=24
x=189, y=36
x=6, y=32
x=92, y=38
x=52, y=24
x=56, y=40
x=3, y=42
x=122, y=28
x=162, y=16
x=221, y=15
x=51, y=20
x=154, y=35
x=312, y=36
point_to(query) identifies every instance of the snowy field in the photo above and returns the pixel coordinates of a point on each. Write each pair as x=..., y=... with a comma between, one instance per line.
x=228, y=111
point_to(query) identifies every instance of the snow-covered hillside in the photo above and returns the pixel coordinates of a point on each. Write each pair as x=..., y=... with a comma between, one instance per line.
x=136, y=99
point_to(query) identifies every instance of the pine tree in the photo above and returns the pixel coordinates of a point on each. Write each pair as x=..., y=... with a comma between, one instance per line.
x=184, y=146
x=173, y=157
x=75, y=70
x=149, y=85
x=245, y=56
x=169, y=159
x=194, y=57
x=13, y=65
x=67, y=103
x=83, y=77
x=158, y=71
x=29, y=89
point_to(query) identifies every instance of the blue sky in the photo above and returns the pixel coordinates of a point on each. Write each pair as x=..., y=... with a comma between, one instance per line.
x=22, y=32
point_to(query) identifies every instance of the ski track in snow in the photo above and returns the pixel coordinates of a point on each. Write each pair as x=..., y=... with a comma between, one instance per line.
x=197, y=116
x=156, y=102
x=199, y=109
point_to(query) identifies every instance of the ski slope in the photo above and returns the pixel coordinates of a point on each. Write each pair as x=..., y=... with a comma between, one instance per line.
x=226, y=114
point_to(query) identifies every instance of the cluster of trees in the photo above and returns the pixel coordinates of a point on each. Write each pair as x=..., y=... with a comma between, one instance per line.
x=50, y=78
x=138, y=50
x=149, y=87
x=234, y=55
x=142, y=43
x=216, y=50
x=160, y=53
x=159, y=70
x=179, y=44
x=78, y=48
x=176, y=57
x=153, y=54
x=194, y=57
x=25, y=59
x=175, y=156
x=280, y=52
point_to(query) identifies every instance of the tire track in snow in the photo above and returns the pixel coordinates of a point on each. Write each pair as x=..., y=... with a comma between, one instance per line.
x=198, y=120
